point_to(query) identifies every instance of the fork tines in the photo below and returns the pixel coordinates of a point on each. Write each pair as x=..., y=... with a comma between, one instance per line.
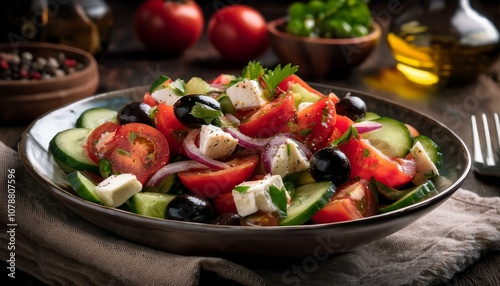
x=477, y=152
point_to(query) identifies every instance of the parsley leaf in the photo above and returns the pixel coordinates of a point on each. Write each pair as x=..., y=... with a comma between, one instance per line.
x=241, y=189
x=278, y=196
x=253, y=70
x=273, y=78
x=210, y=115
x=352, y=132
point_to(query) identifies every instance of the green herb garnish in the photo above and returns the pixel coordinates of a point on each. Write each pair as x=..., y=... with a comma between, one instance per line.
x=352, y=132
x=208, y=114
x=253, y=70
x=241, y=189
x=272, y=78
x=278, y=197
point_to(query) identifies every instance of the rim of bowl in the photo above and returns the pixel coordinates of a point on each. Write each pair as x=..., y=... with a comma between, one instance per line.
x=91, y=65
x=376, y=32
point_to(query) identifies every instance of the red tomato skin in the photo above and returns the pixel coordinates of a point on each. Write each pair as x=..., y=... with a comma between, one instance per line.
x=238, y=33
x=222, y=79
x=288, y=82
x=225, y=204
x=337, y=211
x=173, y=130
x=132, y=154
x=168, y=26
x=366, y=162
x=270, y=119
x=341, y=125
x=149, y=100
x=353, y=200
x=94, y=137
x=315, y=124
x=209, y=183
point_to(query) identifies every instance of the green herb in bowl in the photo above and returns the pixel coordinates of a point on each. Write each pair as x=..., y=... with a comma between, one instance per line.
x=329, y=19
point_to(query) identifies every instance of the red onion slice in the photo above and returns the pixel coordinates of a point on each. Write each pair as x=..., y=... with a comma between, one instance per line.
x=193, y=152
x=246, y=141
x=232, y=119
x=366, y=126
x=172, y=168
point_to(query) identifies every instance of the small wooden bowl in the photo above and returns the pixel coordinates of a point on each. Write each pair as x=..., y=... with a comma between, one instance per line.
x=28, y=99
x=320, y=57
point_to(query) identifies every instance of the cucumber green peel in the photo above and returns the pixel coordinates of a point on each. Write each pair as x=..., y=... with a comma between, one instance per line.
x=415, y=195
x=308, y=200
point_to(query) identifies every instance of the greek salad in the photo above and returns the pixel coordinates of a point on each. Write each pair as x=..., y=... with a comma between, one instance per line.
x=261, y=148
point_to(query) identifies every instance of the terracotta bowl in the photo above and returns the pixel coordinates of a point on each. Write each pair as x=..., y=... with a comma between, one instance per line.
x=28, y=99
x=320, y=57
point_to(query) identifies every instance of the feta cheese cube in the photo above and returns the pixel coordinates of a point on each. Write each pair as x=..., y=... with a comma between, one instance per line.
x=425, y=168
x=252, y=196
x=246, y=94
x=166, y=96
x=215, y=143
x=117, y=189
x=288, y=159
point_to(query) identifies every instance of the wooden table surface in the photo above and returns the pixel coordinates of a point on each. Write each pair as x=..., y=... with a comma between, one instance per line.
x=127, y=64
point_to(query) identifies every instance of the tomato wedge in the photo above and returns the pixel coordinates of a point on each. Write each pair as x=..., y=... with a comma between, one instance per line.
x=137, y=149
x=354, y=200
x=288, y=82
x=367, y=161
x=149, y=100
x=225, y=204
x=270, y=119
x=315, y=124
x=97, y=151
x=222, y=79
x=210, y=183
x=171, y=128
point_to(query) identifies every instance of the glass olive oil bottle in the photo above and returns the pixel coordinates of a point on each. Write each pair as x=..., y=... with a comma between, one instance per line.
x=443, y=42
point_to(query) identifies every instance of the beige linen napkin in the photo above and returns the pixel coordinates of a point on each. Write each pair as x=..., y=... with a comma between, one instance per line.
x=59, y=248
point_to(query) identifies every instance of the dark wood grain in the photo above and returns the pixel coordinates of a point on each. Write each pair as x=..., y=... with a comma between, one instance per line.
x=127, y=64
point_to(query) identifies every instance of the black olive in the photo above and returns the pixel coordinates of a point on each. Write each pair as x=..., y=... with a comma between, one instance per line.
x=351, y=106
x=227, y=219
x=189, y=208
x=135, y=112
x=330, y=164
x=183, y=107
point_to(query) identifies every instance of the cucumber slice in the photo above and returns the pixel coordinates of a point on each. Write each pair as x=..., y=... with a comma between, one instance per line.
x=393, y=139
x=389, y=192
x=299, y=178
x=300, y=94
x=83, y=187
x=226, y=104
x=197, y=85
x=68, y=149
x=159, y=83
x=308, y=200
x=94, y=117
x=150, y=204
x=432, y=149
x=368, y=116
x=415, y=195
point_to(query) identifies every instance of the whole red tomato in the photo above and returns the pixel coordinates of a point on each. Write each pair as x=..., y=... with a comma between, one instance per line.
x=168, y=26
x=238, y=32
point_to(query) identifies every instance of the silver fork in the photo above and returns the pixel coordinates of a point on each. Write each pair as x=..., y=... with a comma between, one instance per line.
x=490, y=166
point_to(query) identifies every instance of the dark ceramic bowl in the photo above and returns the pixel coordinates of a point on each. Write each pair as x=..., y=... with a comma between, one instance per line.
x=32, y=98
x=243, y=241
x=319, y=57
